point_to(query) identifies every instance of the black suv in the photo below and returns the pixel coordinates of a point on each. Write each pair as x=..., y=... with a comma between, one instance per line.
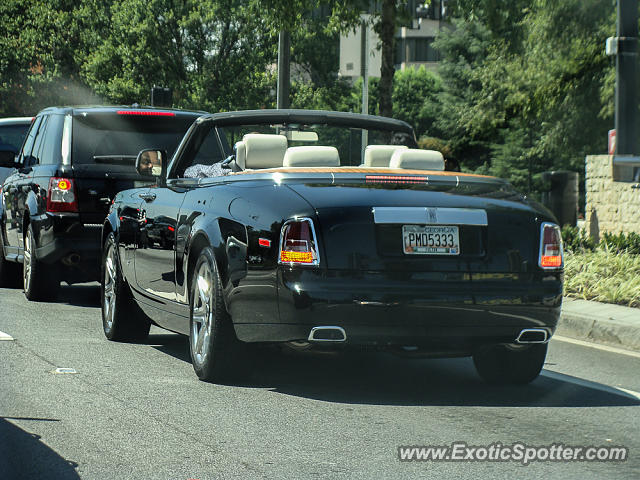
x=72, y=163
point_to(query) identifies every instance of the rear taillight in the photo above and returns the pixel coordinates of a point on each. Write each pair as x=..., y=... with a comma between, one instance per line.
x=298, y=243
x=551, y=255
x=61, y=196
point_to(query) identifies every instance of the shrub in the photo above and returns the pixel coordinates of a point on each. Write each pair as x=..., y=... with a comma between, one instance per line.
x=577, y=240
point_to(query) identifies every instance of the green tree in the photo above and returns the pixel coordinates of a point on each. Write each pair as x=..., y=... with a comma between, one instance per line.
x=213, y=54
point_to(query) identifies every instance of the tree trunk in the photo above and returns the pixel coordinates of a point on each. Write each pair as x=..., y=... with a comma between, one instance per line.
x=387, y=30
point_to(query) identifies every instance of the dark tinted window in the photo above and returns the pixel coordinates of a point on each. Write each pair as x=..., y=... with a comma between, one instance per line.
x=113, y=139
x=12, y=136
x=39, y=140
x=50, y=152
x=28, y=143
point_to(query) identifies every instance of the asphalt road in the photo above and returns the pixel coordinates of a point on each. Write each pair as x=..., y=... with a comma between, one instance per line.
x=137, y=411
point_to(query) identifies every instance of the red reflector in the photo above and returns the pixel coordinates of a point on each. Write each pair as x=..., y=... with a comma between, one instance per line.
x=263, y=242
x=394, y=179
x=148, y=113
x=170, y=228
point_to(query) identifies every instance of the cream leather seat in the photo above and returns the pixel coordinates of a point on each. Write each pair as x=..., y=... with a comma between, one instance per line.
x=379, y=155
x=257, y=150
x=311, y=156
x=416, y=159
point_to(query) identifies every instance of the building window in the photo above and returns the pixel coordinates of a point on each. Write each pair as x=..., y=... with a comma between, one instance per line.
x=421, y=50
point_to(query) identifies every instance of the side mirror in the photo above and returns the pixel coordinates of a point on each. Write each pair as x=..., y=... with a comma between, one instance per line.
x=8, y=159
x=151, y=163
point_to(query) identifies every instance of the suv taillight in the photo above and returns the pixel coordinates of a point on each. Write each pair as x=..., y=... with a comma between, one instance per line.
x=551, y=255
x=61, y=196
x=298, y=244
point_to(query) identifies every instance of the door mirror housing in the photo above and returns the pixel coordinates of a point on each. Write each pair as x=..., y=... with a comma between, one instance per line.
x=151, y=163
x=8, y=159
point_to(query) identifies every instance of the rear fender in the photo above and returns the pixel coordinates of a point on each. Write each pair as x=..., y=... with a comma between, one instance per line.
x=227, y=239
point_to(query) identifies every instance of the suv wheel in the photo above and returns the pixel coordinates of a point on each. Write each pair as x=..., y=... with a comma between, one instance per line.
x=122, y=319
x=216, y=353
x=510, y=364
x=39, y=281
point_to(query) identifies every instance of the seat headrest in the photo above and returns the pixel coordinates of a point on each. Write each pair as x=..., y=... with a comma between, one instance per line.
x=240, y=150
x=379, y=155
x=311, y=156
x=263, y=150
x=416, y=159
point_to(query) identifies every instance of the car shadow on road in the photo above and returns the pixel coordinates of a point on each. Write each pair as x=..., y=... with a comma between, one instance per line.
x=378, y=378
x=83, y=295
x=25, y=456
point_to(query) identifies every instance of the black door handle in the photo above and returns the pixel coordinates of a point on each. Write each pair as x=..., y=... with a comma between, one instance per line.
x=148, y=197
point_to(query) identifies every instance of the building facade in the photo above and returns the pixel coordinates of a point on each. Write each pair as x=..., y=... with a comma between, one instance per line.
x=414, y=42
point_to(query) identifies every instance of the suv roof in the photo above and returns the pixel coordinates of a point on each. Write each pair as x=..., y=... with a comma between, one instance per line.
x=16, y=120
x=80, y=109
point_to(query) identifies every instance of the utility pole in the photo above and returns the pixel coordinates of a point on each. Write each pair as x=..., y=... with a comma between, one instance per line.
x=364, y=72
x=625, y=48
x=284, y=69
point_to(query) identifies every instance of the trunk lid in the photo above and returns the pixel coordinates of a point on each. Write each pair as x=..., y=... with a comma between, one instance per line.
x=354, y=238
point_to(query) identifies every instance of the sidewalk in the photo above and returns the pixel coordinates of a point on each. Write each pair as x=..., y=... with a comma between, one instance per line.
x=597, y=322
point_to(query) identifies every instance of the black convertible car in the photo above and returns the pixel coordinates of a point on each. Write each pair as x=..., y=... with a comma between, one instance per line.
x=317, y=229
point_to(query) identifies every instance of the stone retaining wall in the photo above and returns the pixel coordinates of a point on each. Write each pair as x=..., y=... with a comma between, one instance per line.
x=612, y=197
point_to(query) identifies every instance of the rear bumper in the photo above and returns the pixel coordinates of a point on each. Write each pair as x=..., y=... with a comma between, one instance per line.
x=448, y=310
x=66, y=240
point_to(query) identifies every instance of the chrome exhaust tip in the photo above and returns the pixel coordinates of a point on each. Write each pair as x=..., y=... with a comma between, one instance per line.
x=327, y=334
x=533, y=335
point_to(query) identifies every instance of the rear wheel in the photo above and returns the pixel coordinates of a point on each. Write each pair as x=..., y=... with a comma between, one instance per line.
x=510, y=364
x=40, y=281
x=122, y=319
x=216, y=353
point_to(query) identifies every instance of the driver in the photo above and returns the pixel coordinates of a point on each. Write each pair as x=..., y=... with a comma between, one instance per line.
x=148, y=161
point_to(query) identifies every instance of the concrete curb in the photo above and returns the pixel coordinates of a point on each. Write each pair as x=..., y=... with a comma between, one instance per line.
x=612, y=325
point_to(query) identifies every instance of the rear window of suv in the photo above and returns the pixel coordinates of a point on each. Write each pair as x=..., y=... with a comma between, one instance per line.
x=115, y=139
x=12, y=136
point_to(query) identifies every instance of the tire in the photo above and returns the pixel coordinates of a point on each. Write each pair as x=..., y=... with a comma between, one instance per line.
x=10, y=275
x=40, y=281
x=216, y=353
x=122, y=318
x=510, y=364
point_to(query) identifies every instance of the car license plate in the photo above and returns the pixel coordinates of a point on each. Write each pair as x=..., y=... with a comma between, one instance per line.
x=430, y=240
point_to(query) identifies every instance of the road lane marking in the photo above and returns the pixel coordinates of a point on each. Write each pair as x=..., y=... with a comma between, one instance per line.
x=606, y=348
x=589, y=384
x=64, y=371
x=5, y=336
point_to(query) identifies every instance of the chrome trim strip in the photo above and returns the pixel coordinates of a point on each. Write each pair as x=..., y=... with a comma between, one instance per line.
x=430, y=216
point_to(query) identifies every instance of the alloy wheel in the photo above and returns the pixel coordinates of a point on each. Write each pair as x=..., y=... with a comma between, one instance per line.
x=109, y=296
x=202, y=316
x=26, y=265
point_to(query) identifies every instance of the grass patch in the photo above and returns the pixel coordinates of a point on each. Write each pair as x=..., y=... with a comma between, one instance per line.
x=603, y=276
